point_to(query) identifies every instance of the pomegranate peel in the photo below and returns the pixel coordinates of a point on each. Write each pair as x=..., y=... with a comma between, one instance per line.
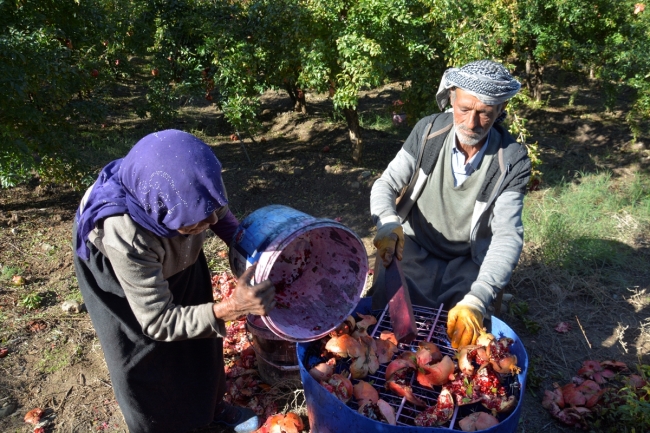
x=385, y=350
x=34, y=416
x=439, y=414
x=324, y=370
x=379, y=411
x=364, y=392
x=436, y=374
x=477, y=421
x=388, y=335
x=405, y=391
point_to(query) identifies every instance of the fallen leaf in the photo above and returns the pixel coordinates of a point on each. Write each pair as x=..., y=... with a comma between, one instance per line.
x=563, y=327
x=18, y=280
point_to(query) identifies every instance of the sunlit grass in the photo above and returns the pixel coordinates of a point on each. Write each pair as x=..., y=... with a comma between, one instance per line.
x=592, y=223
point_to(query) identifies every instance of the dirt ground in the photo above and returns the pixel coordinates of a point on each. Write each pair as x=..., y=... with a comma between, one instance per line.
x=55, y=361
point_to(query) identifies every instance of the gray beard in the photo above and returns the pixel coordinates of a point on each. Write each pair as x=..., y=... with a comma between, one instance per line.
x=467, y=140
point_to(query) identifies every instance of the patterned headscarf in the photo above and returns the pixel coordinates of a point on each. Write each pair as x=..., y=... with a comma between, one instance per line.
x=170, y=179
x=489, y=81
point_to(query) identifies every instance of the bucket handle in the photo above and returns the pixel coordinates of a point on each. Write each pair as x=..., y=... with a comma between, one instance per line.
x=272, y=364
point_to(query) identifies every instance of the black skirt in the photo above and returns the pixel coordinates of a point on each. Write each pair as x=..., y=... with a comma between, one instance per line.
x=161, y=387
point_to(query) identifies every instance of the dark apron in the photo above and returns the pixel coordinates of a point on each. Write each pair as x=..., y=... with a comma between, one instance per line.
x=431, y=281
x=161, y=387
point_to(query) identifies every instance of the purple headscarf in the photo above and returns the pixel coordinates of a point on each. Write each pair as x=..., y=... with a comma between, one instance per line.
x=170, y=179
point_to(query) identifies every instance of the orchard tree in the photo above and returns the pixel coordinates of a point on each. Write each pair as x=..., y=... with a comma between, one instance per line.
x=51, y=75
x=358, y=45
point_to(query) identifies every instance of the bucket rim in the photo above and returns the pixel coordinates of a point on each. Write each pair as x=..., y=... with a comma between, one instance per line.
x=275, y=248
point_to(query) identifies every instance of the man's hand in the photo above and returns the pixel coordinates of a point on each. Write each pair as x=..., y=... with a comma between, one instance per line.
x=464, y=325
x=389, y=241
x=258, y=300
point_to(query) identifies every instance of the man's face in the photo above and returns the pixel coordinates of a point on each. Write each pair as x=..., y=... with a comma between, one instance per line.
x=472, y=118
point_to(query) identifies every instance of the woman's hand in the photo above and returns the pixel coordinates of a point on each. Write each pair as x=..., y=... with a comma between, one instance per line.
x=258, y=300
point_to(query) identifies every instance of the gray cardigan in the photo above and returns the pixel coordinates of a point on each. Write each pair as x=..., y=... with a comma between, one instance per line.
x=497, y=232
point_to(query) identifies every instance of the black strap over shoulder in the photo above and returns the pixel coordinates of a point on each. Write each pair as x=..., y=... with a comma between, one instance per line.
x=427, y=155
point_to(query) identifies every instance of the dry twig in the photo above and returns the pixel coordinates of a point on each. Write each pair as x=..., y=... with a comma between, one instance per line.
x=583, y=331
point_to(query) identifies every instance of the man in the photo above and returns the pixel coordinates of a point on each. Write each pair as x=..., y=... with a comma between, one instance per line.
x=458, y=225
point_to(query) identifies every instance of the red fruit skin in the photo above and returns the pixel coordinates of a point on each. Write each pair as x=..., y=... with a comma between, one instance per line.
x=154, y=72
x=326, y=149
x=34, y=416
x=3, y=352
x=94, y=73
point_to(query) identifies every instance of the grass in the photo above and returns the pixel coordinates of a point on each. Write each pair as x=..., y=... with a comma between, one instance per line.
x=591, y=223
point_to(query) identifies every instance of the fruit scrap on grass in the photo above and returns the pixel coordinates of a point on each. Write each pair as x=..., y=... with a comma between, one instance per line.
x=34, y=416
x=563, y=327
x=576, y=402
x=279, y=423
x=223, y=286
x=600, y=372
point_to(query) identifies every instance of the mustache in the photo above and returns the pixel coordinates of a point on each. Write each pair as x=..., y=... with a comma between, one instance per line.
x=469, y=130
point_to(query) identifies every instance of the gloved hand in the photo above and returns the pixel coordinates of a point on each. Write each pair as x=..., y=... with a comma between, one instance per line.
x=464, y=323
x=389, y=241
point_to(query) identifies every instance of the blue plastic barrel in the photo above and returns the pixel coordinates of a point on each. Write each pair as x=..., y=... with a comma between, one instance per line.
x=318, y=267
x=327, y=414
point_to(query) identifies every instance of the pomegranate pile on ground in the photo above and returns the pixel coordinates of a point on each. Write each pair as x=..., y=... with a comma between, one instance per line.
x=243, y=384
x=593, y=392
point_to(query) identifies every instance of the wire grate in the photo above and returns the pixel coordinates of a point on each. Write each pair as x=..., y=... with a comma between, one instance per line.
x=431, y=325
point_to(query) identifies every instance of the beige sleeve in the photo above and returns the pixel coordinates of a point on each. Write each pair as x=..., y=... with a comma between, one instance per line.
x=137, y=256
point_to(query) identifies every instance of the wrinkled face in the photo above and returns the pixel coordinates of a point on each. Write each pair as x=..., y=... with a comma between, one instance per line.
x=199, y=227
x=472, y=118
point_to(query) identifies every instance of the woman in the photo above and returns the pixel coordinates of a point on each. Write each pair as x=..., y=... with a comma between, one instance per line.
x=138, y=237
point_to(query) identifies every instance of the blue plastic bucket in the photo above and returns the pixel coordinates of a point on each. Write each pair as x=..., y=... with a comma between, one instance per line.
x=318, y=266
x=327, y=414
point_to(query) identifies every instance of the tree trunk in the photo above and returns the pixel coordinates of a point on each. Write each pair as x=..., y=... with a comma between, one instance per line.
x=297, y=97
x=352, y=117
x=534, y=78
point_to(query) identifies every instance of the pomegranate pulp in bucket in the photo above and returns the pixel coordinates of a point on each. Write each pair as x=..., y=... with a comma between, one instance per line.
x=318, y=267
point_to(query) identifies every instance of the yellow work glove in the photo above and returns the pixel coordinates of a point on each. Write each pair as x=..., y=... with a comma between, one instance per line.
x=389, y=241
x=464, y=323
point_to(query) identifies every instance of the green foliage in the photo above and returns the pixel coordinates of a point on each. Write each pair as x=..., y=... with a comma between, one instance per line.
x=31, y=301
x=60, y=59
x=517, y=127
x=8, y=272
x=48, y=53
x=53, y=360
x=520, y=311
x=625, y=408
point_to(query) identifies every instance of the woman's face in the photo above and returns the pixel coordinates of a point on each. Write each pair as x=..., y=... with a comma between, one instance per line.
x=199, y=227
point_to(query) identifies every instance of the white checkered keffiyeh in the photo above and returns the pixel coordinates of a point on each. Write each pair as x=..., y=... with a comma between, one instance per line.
x=489, y=81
